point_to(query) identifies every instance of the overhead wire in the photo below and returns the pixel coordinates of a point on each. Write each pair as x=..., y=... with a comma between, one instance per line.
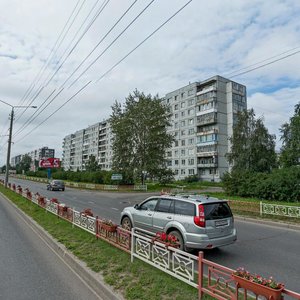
x=28, y=91
x=266, y=64
x=118, y=36
x=42, y=107
x=41, y=87
x=97, y=45
x=89, y=82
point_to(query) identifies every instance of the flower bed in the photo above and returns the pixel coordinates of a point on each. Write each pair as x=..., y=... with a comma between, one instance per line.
x=257, y=284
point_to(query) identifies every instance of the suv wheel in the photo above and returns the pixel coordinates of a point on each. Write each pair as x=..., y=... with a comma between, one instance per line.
x=126, y=223
x=178, y=235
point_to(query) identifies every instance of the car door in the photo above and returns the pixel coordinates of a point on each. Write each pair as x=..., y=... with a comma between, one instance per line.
x=164, y=213
x=143, y=215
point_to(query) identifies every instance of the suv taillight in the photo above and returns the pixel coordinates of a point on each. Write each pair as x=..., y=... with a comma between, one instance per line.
x=200, y=220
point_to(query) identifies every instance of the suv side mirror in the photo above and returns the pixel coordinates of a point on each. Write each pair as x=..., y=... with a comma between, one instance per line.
x=136, y=206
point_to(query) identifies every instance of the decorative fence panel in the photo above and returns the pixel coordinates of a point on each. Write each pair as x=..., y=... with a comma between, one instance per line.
x=280, y=210
x=85, y=222
x=51, y=207
x=175, y=262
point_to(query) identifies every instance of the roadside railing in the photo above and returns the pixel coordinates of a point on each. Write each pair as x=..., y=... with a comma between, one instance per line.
x=280, y=210
x=208, y=277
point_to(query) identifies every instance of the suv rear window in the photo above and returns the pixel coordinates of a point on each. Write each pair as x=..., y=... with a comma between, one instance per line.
x=184, y=208
x=214, y=211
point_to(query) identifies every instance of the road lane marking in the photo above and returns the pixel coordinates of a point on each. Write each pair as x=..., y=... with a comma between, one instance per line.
x=114, y=208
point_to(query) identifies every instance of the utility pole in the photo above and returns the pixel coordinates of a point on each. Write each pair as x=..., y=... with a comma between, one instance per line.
x=10, y=135
x=9, y=147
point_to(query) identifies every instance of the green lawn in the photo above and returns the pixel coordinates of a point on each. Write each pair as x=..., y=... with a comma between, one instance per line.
x=136, y=280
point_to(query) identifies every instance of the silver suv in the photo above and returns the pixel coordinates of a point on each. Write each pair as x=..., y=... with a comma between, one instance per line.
x=198, y=222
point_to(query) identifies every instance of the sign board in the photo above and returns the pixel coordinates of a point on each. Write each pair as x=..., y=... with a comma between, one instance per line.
x=116, y=177
x=49, y=163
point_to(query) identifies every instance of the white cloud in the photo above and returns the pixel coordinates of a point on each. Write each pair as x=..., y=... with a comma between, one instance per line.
x=215, y=37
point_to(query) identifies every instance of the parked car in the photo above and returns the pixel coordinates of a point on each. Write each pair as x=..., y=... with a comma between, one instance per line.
x=198, y=222
x=56, y=185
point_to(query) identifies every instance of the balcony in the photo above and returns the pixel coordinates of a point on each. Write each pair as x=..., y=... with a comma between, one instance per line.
x=208, y=118
x=207, y=165
x=207, y=154
x=199, y=133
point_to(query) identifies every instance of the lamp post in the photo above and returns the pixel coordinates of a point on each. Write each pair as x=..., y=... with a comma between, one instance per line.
x=10, y=135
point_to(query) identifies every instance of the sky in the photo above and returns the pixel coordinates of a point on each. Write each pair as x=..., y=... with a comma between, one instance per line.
x=59, y=56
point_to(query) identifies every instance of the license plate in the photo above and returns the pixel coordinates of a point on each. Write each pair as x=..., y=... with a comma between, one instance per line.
x=221, y=223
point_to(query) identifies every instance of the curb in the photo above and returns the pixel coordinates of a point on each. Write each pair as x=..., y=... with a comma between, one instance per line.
x=92, y=279
x=268, y=222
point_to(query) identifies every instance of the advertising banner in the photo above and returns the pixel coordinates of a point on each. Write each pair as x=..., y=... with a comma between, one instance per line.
x=49, y=163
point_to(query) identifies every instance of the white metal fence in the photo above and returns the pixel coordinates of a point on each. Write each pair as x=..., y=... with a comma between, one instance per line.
x=173, y=261
x=280, y=210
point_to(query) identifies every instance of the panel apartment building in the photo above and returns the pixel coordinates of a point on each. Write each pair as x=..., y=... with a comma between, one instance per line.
x=36, y=155
x=79, y=146
x=203, y=114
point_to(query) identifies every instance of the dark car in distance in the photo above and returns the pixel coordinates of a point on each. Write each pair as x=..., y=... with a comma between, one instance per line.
x=56, y=185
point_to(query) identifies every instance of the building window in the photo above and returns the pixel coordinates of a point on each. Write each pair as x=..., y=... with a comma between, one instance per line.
x=182, y=171
x=183, y=113
x=182, y=104
x=182, y=132
x=176, y=171
x=190, y=92
x=176, y=116
x=175, y=143
x=191, y=141
x=191, y=121
x=191, y=152
x=176, y=133
x=176, y=107
x=191, y=112
x=176, y=162
x=182, y=123
x=182, y=151
x=191, y=131
x=176, y=153
x=191, y=172
x=176, y=98
x=191, y=102
x=183, y=162
x=191, y=161
x=183, y=143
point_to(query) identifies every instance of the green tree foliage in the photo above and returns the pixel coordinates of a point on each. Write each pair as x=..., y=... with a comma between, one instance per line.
x=92, y=164
x=290, y=151
x=279, y=185
x=140, y=136
x=24, y=164
x=252, y=147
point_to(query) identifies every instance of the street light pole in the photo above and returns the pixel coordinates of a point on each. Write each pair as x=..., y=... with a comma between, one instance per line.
x=10, y=136
x=9, y=147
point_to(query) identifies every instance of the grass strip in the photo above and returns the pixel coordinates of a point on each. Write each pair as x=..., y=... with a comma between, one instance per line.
x=136, y=280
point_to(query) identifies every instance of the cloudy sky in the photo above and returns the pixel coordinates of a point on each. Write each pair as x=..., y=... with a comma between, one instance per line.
x=53, y=50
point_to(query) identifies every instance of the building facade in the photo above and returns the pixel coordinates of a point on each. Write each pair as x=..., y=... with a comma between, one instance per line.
x=203, y=115
x=94, y=140
x=35, y=155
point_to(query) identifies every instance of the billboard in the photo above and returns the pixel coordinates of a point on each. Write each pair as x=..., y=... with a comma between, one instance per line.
x=49, y=163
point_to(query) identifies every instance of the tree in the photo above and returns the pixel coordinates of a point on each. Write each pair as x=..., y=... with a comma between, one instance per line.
x=92, y=164
x=290, y=151
x=252, y=147
x=24, y=164
x=140, y=136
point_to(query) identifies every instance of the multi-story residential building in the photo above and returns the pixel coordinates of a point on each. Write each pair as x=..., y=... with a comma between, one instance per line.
x=203, y=114
x=79, y=146
x=36, y=156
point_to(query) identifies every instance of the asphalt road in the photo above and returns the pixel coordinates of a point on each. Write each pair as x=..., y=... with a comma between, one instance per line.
x=29, y=269
x=261, y=249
